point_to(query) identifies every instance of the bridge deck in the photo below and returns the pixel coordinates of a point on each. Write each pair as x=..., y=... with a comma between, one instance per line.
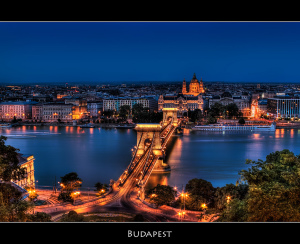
x=141, y=166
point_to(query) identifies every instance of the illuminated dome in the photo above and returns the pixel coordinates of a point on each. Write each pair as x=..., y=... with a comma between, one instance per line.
x=194, y=80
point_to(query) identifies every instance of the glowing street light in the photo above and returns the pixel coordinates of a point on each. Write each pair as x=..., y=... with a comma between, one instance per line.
x=228, y=199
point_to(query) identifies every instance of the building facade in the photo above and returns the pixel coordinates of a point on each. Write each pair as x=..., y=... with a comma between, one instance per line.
x=37, y=112
x=181, y=102
x=284, y=107
x=19, y=110
x=242, y=101
x=94, y=108
x=27, y=162
x=116, y=103
x=53, y=112
x=195, y=87
x=190, y=97
x=79, y=109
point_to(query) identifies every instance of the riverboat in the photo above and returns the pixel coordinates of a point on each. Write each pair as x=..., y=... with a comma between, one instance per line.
x=221, y=127
x=87, y=126
x=5, y=125
x=126, y=126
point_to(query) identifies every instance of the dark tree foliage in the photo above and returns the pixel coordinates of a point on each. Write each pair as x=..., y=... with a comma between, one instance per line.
x=274, y=191
x=162, y=195
x=69, y=183
x=9, y=163
x=199, y=191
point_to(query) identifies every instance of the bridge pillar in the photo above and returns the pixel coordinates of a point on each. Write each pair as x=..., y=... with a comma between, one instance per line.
x=170, y=113
x=145, y=134
x=161, y=166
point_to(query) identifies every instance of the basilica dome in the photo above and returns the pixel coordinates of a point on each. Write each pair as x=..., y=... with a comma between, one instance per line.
x=194, y=80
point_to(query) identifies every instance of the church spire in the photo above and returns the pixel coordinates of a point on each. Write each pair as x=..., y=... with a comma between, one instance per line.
x=184, y=86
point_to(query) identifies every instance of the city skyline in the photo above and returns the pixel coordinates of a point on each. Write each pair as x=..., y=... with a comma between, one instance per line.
x=46, y=52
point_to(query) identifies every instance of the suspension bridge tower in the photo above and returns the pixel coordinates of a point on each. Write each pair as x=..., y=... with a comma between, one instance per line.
x=170, y=114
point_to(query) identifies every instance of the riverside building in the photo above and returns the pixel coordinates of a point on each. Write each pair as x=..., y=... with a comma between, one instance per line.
x=284, y=107
x=189, y=99
x=53, y=112
x=27, y=162
x=19, y=110
x=116, y=103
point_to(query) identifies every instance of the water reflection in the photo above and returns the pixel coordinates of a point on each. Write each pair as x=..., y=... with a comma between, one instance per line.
x=99, y=154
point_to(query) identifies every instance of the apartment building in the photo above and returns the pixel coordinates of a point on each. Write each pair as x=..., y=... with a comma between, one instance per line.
x=19, y=110
x=53, y=112
x=116, y=103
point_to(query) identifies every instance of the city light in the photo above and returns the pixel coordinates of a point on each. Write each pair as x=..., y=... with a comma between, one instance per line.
x=228, y=199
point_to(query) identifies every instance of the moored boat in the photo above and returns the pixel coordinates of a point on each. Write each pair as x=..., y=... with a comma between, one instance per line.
x=89, y=125
x=221, y=127
x=5, y=125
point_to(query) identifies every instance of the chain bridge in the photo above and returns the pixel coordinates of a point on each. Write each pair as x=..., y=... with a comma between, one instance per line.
x=148, y=154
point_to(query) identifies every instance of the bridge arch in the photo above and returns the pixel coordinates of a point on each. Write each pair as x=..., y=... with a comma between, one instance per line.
x=146, y=134
x=170, y=113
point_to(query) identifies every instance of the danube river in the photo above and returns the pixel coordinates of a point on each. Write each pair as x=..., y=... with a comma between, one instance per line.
x=100, y=154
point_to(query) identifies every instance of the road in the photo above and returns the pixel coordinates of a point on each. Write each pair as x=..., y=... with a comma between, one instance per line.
x=123, y=199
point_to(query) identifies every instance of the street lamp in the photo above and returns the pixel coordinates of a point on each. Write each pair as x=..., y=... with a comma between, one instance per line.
x=228, y=199
x=75, y=194
x=184, y=196
x=204, y=207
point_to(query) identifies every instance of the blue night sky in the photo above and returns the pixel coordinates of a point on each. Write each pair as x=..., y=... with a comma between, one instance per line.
x=103, y=52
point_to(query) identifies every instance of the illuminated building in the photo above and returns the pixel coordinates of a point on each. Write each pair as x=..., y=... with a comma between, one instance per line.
x=195, y=87
x=26, y=162
x=116, y=103
x=54, y=111
x=188, y=99
x=94, y=108
x=37, y=112
x=242, y=101
x=284, y=107
x=181, y=102
x=79, y=109
x=19, y=110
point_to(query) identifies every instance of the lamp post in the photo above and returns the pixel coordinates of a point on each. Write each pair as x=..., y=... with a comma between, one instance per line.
x=184, y=195
x=228, y=199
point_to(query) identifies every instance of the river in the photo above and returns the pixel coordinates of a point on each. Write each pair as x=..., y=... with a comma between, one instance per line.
x=101, y=154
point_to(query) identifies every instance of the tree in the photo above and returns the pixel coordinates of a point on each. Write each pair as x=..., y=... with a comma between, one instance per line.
x=137, y=109
x=40, y=217
x=12, y=207
x=108, y=113
x=274, y=190
x=72, y=216
x=200, y=191
x=138, y=218
x=162, y=195
x=236, y=211
x=242, y=121
x=195, y=115
x=69, y=183
x=142, y=114
x=139, y=113
x=227, y=193
x=101, y=188
x=216, y=110
x=211, y=119
x=232, y=110
x=124, y=112
x=9, y=162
